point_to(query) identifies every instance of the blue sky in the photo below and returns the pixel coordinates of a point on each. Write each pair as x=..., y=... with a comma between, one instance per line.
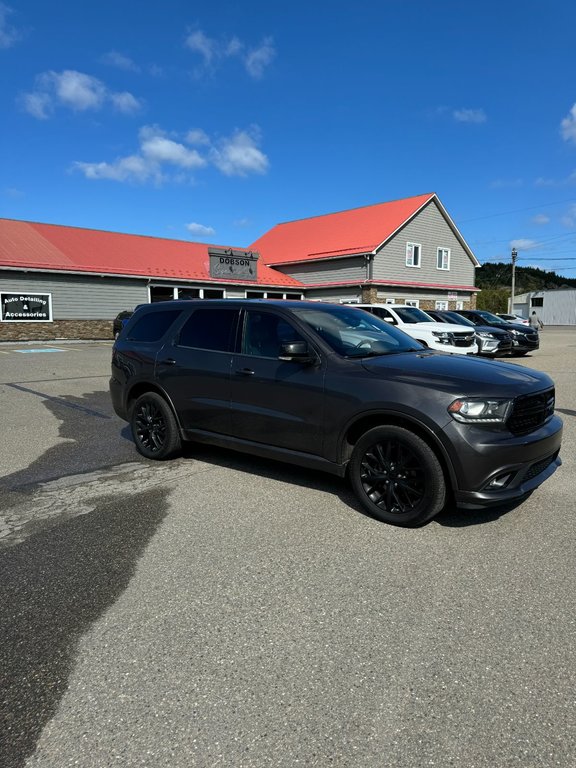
x=214, y=121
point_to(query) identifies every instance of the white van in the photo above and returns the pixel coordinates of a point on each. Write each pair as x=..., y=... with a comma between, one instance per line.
x=443, y=337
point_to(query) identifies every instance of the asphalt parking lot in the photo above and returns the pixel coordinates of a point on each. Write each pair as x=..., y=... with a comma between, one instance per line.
x=221, y=610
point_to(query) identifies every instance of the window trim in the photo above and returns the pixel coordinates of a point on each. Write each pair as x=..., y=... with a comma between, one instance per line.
x=440, y=258
x=413, y=245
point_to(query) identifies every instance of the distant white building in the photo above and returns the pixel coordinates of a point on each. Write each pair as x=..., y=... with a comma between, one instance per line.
x=556, y=307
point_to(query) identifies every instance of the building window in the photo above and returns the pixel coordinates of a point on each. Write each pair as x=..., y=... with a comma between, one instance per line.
x=188, y=293
x=443, y=258
x=537, y=301
x=255, y=295
x=441, y=305
x=413, y=253
x=412, y=302
x=212, y=293
x=390, y=301
x=161, y=293
x=459, y=305
x=271, y=295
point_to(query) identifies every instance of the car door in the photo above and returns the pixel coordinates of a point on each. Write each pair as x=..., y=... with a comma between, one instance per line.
x=194, y=369
x=276, y=402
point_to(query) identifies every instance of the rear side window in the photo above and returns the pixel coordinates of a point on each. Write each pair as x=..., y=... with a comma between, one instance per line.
x=153, y=325
x=212, y=329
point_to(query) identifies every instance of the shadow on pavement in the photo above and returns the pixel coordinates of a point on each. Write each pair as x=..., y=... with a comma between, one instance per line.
x=53, y=587
x=92, y=435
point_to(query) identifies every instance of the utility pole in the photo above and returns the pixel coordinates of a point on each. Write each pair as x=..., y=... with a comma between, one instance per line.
x=514, y=257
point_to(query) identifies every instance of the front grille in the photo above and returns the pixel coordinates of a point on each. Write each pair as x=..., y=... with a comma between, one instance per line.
x=463, y=339
x=540, y=466
x=531, y=411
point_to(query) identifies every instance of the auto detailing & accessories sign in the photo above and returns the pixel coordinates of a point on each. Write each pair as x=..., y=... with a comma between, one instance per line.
x=26, y=307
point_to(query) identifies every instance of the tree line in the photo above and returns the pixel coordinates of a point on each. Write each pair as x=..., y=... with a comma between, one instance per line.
x=495, y=281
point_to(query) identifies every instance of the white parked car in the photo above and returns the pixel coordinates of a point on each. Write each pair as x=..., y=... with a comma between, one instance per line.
x=443, y=337
x=514, y=319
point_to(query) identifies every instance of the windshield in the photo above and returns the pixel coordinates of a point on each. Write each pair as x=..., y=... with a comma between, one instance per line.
x=413, y=315
x=355, y=333
x=454, y=317
x=492, y=319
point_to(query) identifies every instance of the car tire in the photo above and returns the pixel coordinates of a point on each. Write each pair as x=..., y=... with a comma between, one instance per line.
x=397, y=477
x=154, y=428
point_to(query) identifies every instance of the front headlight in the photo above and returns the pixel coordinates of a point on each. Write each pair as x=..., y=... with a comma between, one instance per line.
x=514, y=332
x=443, y=336
x=480, y=411
x=485, y=334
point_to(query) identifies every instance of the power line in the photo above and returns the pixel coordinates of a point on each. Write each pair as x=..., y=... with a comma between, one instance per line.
x=518, y=210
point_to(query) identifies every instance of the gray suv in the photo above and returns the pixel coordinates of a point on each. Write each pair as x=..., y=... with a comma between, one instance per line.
x=337, y=389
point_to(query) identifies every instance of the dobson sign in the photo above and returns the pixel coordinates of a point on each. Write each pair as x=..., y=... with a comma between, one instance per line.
x=230, y=264
x=26, y=307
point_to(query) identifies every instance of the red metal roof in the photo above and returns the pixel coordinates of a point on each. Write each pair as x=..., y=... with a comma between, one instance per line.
x=359, y=230
x=28, y=245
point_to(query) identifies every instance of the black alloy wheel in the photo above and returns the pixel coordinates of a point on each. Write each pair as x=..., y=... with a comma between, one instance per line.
x=397, y=476
x=154, y=427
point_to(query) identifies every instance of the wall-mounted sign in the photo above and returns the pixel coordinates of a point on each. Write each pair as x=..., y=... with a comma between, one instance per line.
x=232, y=264
x=452, y=296
x=26, y=307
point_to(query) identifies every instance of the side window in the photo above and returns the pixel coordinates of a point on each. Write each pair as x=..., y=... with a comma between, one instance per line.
x=383, y=314
x=443, y=258
x=153, y=325
x=264, y=333
x=212, y=329
x=413, y=253
x=441, y=305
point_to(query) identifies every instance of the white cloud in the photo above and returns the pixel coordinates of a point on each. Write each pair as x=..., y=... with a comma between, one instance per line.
x=39, y=105
x=199, y=230
x=132, y=168
x=259, y=58
x=76, y=91
x=541, y=218
x=126, y=103
x=506, y=183
x=206, y=47
x=9, y=35
x=163, y=157
x=239, y=155
x=523, y=244
x=567, y=181
x=118, y=60
x=469, y=115
x=159, y=149
x=569, y=218
x=568, y=126
x=213, y=51
x=198, y=137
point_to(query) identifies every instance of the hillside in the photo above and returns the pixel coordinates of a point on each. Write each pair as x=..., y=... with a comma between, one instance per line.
x=499, y=276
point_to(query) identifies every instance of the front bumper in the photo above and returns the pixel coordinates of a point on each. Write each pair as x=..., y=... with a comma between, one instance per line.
x=494, y=468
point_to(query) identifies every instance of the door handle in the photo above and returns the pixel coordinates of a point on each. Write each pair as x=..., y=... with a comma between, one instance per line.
x=168, y=361
x=245, y=372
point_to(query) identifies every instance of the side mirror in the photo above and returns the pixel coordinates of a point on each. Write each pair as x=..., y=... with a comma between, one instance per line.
x=296, y=351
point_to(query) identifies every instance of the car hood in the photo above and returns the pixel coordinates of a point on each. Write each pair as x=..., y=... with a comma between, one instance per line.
x=450, y=327
x=491, y=329
x=458, y=373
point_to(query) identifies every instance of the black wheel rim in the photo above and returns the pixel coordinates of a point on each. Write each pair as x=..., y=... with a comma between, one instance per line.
x=150, y=427
x=393, y=477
